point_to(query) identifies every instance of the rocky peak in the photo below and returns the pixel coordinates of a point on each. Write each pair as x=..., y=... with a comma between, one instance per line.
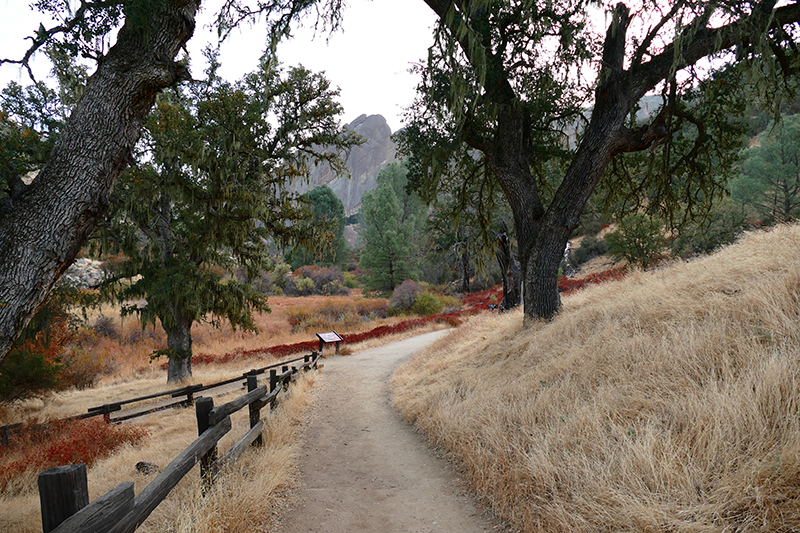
x=364, y=162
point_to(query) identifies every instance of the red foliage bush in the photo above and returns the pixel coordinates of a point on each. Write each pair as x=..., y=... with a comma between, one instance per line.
x=567, y=286
x=39, y=447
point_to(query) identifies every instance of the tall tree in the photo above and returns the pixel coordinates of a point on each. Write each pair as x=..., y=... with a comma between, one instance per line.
x=770, y=178
x=392, y=222
x=506, y=79
x=210, y=197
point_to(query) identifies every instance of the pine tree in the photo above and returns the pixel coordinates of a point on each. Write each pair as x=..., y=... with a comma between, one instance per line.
x=387, y=240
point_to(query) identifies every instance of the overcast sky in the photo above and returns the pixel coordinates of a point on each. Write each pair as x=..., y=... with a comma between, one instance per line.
x=368, y=60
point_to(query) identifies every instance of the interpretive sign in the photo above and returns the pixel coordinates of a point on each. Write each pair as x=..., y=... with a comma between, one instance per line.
x=329, y=337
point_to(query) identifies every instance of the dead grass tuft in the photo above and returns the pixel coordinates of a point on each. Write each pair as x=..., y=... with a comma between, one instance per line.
x=669, y=401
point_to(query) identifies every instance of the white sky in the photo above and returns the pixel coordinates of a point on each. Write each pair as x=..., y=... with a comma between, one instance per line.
x=368, y=60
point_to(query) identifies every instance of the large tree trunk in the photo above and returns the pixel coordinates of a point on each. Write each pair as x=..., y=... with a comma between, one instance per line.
x=605, y=136
x=179, y=342
x=44, y=227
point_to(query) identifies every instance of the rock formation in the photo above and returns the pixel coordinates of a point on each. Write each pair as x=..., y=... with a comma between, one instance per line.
x=364, y=163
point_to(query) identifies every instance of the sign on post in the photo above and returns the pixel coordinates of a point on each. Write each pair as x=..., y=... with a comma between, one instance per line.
x=327, y=338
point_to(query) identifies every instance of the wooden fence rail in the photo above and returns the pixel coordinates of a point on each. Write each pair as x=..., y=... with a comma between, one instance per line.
x=105, y=410
x=118, y=511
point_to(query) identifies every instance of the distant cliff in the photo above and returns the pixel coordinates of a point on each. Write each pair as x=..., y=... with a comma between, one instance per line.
x=364, y=163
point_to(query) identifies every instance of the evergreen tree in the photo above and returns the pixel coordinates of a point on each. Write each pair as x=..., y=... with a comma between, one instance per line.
x=769, y=183
x=327, y=211
x=210, y=196
x=391, y=229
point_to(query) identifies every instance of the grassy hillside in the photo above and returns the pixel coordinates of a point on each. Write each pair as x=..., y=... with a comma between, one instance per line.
x=668, y=401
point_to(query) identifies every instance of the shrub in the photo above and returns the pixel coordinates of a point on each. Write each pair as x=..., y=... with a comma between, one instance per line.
x=297, y=316
x=25, y=373
x=640, y=240
x=335, y=313
x=591, y=224
x=305, y=286
x=404, y=296
x=723, y=225
x=350, y=280
x=82, y=368
x=32, y=366
x=427, y=304
x=105, y=326
x=372, y=308
x=335, y=288
x=590, y=247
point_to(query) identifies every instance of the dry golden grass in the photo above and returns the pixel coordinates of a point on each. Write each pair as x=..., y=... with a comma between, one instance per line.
x=133, y=374
x=244, y=497
x=669, y=401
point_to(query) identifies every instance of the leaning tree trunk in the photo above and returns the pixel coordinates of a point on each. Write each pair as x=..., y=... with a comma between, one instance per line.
x=179, y=343
x=44, y=226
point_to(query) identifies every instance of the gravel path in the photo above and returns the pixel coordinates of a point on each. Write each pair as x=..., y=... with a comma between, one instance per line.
x=364, y=468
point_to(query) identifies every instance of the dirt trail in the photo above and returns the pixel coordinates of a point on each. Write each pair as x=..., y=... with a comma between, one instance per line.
x=364, y=468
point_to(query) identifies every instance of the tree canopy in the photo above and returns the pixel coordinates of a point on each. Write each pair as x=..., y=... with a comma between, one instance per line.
x=207, y=197
x=327, y=211
x=392, y=223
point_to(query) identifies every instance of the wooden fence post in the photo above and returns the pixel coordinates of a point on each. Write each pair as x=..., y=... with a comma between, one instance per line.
x=190, y=395
x=203, y=407
x=255, y=412
x=273, y=384
x=63, y=491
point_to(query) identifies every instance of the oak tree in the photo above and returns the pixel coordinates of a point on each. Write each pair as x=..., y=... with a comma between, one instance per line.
x=508, y=80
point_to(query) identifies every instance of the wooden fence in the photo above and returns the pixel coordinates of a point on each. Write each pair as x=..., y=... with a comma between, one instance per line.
x=63, y=490
x=184, y=397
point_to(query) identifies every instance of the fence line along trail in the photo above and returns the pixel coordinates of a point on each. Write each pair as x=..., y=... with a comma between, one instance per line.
x=364, y=468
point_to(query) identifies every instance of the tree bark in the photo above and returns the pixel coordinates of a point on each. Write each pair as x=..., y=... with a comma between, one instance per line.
x=179, y=342
x=43, y=227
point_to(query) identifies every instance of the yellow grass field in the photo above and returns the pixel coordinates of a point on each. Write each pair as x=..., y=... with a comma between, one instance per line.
x=666, y=402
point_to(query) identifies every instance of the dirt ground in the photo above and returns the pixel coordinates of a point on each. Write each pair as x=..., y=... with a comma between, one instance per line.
x=364, y=468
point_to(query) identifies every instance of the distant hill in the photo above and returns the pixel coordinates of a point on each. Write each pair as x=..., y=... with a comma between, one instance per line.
x=364, y=162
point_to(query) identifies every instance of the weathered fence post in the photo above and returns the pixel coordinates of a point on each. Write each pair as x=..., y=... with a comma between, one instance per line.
x=63, y=491
x=255, y=412
x=190, y=395
x=273, y=384
x=203, y=407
